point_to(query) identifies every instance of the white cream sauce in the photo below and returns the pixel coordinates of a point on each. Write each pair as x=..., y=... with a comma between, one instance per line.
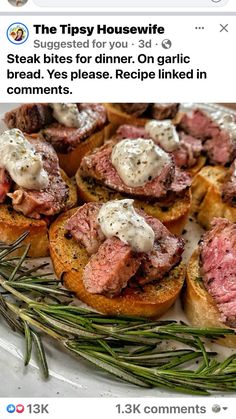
x=119, y=219
x=19, y=158
x=138, y=161
x=164, y=133
x=226, y=122
x=66, y=114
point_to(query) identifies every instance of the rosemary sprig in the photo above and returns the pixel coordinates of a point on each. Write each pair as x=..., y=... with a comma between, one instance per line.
x=28, y=343
x=129, y=348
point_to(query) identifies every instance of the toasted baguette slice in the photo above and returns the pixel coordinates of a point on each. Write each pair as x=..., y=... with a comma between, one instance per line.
x=13, y=224
x=118, y=117
x=206, y=196
x=70, y=162
x=69, y=260
x=199, y=306
x=173, y=217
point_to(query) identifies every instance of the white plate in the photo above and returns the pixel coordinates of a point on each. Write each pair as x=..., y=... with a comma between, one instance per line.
x=69, y=376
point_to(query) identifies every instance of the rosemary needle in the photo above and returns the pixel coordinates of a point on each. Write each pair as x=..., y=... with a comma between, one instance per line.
x=28, y=343
x=129, y=348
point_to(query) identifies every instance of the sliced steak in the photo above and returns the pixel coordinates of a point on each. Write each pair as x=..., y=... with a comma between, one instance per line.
x=84, y=227
x=229, y=187
x=98, y=166
x=49, y=201
x=5, y=184
x=189, y=150
x=92, y=117
x=198, y=124
x=219, y=144
x=218, y=256
x=135, y=109
x=29, y=118
x=158, y=111
x=110, y=256
x=221, y=149
x=109, y=270
x=162, y=111
x=165, y=254
x=132, y=132
x=181, y=182
x=178, y=188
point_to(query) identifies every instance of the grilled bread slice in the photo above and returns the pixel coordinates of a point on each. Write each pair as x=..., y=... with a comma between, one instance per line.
x=118, y=117
x=173, y=217
x=199, y=306
x=69, y=260
x=206, y=196
x=13, y=224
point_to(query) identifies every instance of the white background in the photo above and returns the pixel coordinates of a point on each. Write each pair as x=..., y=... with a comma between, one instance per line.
x=184, y=5
x=210, y=50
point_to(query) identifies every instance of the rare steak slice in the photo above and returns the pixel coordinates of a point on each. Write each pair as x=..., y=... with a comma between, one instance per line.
x=178, y=189
x=135, y=109
x=221, y=149
x=181, y=182
x=218, y=141
x=218, y=256
x=98, y=166
x=162, y=111
x=5, y=184
x=84, y=227
x=92, y=117
x=29, y=118
x=229, y=187
x=158, y=111
x=199, y=124
x=131, y=132
x=106, y=268
x=109, y=270
x=48, y=201
x=188, y=152
x=165, y=254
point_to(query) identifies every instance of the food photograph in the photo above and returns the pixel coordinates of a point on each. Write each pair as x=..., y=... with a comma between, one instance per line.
x=118, y=249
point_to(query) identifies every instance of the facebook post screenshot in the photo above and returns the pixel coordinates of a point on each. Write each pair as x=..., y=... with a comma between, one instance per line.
x=117, y=209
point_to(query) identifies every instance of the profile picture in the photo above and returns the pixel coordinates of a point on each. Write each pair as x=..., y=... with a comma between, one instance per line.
x=17, y=3
x=17, y=33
